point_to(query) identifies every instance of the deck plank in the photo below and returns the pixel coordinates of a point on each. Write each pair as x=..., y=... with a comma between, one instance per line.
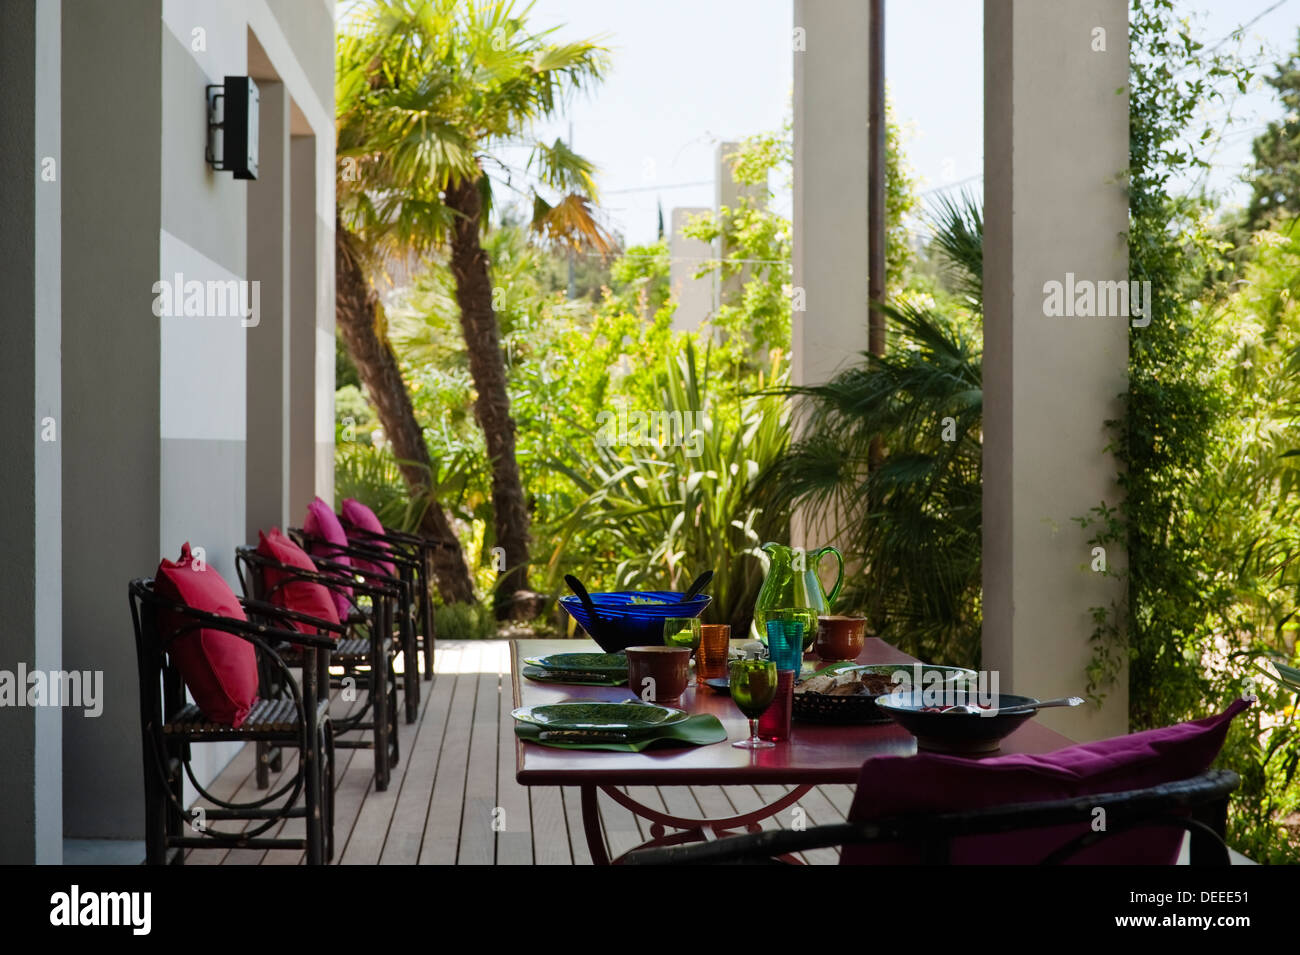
x=480, y=813
x=406, y=830
x=370, y=829
x=572, y=798
x=516, y=842
x=441, y=843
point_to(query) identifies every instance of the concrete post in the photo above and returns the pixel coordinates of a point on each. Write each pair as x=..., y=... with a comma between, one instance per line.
x=730, y=195
x=829, y=227
x=269, y=263
x=31, y=744
x=112, y=93
x=304, y=483
x=1055, y=148
x=694, y=296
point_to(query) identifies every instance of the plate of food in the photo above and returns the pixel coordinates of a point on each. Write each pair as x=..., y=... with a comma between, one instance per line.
x=846, y=693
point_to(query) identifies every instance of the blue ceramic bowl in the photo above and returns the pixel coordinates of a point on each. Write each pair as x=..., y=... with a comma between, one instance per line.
x=628, y=624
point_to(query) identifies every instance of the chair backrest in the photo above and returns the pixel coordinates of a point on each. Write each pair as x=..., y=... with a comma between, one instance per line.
x=930, y=784
x=160, y=680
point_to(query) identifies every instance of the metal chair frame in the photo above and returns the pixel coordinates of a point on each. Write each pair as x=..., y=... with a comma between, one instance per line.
x=1197, y=805
x=170, y=726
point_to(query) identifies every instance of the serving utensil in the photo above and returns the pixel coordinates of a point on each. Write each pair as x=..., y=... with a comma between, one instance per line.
x=580, y=591
x=963, y=709
x=700, y=583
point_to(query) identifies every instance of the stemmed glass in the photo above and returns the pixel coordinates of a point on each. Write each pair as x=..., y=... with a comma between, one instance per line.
x=682, y=632
x=753, y=687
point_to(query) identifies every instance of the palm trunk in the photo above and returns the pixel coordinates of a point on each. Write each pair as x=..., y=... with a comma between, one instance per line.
x=469, y=268
x=355, y=309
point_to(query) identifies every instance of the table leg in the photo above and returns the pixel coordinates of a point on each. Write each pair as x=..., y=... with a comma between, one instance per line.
x=689, y=830
x=591, y=824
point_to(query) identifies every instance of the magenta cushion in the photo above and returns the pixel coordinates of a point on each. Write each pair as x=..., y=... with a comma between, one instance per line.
x=931, y=783
x=219, y=668
x=356, y=514
x=304, y=596
x=322, y=523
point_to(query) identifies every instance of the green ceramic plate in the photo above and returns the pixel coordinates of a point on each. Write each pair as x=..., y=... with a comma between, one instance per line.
x=581, y=662
x=606, y=717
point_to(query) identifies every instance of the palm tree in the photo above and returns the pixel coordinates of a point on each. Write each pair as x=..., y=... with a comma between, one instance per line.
x=915, y=519
x=426, y=90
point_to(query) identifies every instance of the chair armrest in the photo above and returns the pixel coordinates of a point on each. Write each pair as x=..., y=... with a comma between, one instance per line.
x=264, y=609
x=244, y=629
x=342, y=575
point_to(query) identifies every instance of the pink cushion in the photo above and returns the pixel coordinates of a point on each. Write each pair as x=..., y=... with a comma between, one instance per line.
x=304, y=596
x=929, y=783
x=322, y=523
x=356, y=514
x=219, y=668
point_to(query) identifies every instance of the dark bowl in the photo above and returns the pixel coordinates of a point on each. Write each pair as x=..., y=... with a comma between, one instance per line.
x=954, y=732
x=625, y=623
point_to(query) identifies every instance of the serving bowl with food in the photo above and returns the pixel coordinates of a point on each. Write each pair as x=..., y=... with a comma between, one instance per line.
x=847, y=693
x=971, y=727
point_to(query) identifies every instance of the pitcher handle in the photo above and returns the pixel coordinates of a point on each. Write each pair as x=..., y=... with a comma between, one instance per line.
x=839, y=559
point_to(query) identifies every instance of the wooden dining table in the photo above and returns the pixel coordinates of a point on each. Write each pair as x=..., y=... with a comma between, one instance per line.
x=815, y=754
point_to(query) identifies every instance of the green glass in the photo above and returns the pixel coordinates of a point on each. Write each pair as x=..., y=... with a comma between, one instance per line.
x=753, y=688
x=792, y=582
x=682, y=632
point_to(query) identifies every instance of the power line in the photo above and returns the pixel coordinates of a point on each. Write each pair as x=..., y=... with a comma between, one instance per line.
x=668, y=185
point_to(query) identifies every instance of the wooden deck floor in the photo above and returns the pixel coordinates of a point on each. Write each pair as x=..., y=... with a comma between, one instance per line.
x=453, y=799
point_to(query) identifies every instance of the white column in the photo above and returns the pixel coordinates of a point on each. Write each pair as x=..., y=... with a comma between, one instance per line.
x=730, y=195
x=31, y=739
x=268, y=343
x=303, y=320
x=830, y=187
x=110, y=419
x=829, y=228
x=1055, y=148
x=693, y=296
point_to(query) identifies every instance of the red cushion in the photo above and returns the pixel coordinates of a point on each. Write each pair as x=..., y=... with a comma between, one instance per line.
x=322, y=523
x=356, y=514
x=930, y=783
x=219, y=668
x=304, y=596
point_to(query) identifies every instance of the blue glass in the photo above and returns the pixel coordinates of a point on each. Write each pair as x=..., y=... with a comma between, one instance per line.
x=785, y=642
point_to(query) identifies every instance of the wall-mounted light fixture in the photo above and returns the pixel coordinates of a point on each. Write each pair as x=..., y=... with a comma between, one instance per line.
x=236, y=118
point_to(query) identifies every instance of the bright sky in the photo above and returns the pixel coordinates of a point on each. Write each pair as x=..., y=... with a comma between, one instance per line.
x=688, y=74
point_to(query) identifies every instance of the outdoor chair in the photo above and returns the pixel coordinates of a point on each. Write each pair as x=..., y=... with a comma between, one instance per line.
x=364, y=562
x=416, y=555
x=363, y=652
x=296, y=716
x=1197, y=806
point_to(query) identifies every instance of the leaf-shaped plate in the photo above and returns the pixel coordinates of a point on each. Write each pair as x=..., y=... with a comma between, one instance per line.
x=600, y=717
x=581, y=662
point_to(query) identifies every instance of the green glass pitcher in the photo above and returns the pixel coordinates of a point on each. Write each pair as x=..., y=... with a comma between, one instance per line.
x=792, y=582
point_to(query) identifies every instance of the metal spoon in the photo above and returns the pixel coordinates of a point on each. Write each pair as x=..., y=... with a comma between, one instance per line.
x=963, y=709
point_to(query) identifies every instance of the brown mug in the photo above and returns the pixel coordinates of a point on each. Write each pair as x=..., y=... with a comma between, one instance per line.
x=658, y=674
x=840, y=638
